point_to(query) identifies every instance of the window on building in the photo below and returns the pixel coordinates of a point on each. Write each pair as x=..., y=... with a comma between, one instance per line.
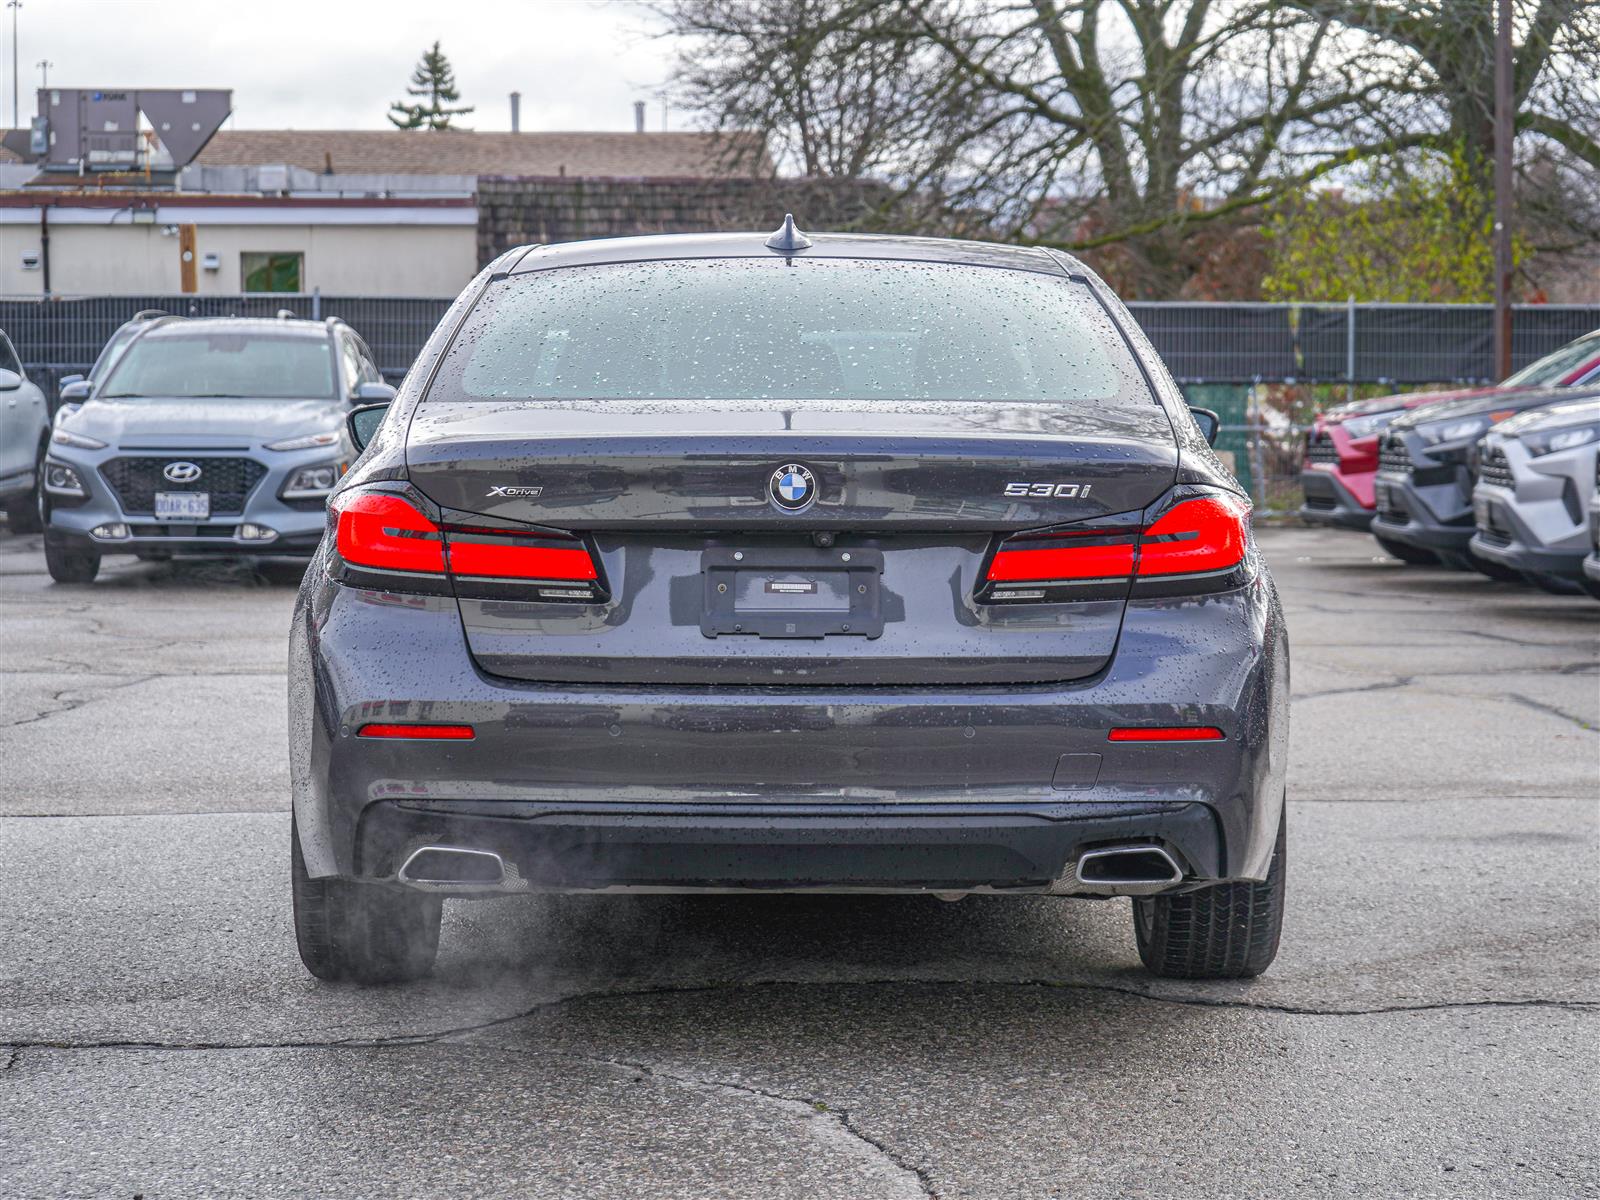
x=266, y=271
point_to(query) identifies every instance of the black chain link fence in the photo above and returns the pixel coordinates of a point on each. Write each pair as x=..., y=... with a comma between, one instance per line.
x=1265, y=368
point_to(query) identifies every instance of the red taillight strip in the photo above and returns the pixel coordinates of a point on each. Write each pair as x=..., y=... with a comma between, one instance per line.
x=440, y=733
x=1046, y=563
x=510, y=560
x=1166, y=733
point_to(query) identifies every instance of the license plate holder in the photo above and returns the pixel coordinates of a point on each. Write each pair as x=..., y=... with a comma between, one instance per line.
x=183, y=506
x=791, y=592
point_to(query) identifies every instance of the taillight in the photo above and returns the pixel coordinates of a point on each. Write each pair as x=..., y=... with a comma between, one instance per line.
x=503, y=564
x=384, y=532
x=1197, y=536
x=1069, y=556
x=387, y=533
x=1203, y=535
x=508, y=558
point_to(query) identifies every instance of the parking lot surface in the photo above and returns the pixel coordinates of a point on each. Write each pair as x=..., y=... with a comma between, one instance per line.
x=1431, y=1027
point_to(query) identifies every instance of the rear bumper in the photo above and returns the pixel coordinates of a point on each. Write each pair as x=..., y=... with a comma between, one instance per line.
x=805, y=787
x=714, y=847
x=1330, y=502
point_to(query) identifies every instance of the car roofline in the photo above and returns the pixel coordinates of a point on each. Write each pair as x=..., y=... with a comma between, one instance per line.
x=683, y=247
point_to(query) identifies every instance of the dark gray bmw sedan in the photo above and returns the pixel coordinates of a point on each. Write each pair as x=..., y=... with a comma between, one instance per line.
x=745, y=563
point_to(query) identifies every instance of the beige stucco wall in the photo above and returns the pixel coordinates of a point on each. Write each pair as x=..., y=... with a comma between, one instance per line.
x=361, y=260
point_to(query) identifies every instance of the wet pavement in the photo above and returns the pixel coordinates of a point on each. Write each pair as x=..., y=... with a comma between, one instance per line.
x=1431, y=1027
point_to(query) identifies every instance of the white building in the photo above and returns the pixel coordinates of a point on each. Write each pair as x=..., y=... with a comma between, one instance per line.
x=343, y=212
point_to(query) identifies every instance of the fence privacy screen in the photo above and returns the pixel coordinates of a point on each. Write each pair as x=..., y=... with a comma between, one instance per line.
x=1201, y=343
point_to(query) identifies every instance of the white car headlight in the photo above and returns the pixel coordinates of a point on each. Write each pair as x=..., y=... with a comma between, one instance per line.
x=307, y=442
x=312, y=483
x=1360, y=427
x=62, y=437
x=1452, y=431
x=1551, y=440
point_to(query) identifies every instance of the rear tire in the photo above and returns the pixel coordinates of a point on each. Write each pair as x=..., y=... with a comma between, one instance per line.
x=362, y=932
x=1225, y=931
x=67, y=565
x=1556, y=585
x=1415, y=555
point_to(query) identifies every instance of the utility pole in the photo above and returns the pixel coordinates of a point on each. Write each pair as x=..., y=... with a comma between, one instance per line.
x=44, y=65
x=1503, y=135
x=16, y=80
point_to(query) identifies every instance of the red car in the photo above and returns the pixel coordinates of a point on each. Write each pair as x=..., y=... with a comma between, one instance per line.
x=1341, y=460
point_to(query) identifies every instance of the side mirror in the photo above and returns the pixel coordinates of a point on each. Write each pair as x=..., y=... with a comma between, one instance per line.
x=74, y=390
x=10, y=381
x=68, y=380
x=363, y=422
x=373, y=393
x=1210, y=424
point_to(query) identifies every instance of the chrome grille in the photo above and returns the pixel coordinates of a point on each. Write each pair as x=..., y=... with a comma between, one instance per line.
x=1320, y=449
x=1495, y=470
x=136, y=480
x=1394, y=455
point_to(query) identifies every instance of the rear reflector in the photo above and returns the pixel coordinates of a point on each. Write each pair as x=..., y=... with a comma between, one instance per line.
x=1166, y=733
x=1195, y=536
x=444, y=733
x=386, y=532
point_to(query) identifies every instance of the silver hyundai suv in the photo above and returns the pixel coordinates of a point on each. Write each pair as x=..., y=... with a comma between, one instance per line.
x=1535, y=472
x=221, y=435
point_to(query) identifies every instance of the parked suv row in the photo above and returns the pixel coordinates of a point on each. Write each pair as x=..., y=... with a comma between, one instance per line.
x=1339, y=475
x=1533, y=506
x=217, y=435
x=1427, y=470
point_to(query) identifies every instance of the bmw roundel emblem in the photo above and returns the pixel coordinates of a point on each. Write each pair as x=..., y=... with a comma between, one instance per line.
x=793, y=487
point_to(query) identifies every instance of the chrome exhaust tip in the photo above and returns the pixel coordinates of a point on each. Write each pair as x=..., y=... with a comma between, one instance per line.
x=1128, y=870
x=452, y=867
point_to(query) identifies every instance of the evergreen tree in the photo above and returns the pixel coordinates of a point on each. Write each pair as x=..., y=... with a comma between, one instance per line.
x=434, y=84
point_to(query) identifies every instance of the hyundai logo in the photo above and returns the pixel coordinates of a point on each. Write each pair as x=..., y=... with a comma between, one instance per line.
x=181, y=472
x=793, y=487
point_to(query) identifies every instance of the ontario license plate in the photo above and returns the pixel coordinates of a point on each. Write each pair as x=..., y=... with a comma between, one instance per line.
x=183, y=506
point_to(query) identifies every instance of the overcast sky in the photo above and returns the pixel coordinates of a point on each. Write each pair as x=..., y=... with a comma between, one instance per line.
x=337, y=64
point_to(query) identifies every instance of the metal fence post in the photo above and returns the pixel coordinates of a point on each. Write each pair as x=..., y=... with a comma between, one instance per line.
x=316, y=304
x=1258, y=460
x=1350, y=348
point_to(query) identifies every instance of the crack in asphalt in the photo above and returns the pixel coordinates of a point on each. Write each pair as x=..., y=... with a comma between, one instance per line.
x=1551, y=710
x=445, y=1036
x=72, y=705
x=1399, y=681
x=808, y=1107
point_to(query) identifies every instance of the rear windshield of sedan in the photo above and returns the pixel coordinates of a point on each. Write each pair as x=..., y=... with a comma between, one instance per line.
x=729, y=329
x=198, y=364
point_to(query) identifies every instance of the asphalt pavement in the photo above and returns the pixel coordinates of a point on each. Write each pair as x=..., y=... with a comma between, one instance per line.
x=1431, y=1027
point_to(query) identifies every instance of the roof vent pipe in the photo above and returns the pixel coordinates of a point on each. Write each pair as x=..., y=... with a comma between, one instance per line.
x=516, y=112
x=638, y=116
